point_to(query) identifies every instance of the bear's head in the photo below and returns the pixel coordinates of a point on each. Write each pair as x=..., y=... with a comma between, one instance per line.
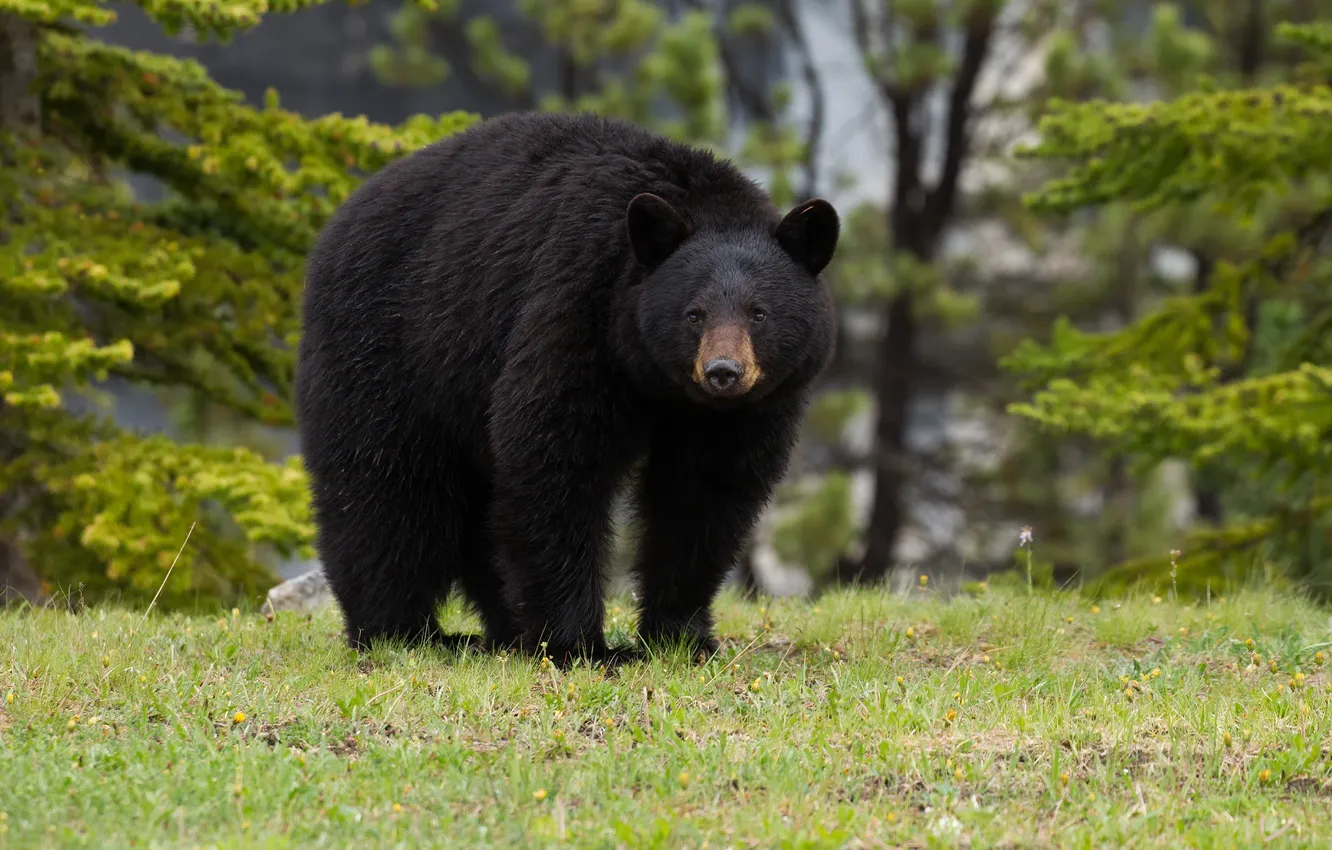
x=731, y=313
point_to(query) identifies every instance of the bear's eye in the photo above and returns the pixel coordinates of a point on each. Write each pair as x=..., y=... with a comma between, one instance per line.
x=694, y=317
x=759, y=315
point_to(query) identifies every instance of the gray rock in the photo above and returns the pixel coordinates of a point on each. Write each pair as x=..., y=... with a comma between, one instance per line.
x=303, y=593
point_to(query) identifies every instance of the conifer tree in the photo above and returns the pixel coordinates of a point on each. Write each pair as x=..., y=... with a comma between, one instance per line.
x=200, y=291
x=1236, y=376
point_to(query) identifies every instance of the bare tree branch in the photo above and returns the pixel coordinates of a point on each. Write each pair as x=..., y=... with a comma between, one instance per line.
x=754, y=100
x=980, y=29
x=787, y=15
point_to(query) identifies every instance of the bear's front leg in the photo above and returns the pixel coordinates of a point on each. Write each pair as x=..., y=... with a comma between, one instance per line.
x=707, y=478
x=559, y=447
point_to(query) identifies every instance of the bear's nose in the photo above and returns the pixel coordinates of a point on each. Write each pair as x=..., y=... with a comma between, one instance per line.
x=722, y=374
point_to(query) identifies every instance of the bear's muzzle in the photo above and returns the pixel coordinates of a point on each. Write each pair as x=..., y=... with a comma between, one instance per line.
x=725, y=365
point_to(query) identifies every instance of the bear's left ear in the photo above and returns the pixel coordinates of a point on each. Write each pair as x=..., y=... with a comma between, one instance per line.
x=809, y=234
x=655, y=229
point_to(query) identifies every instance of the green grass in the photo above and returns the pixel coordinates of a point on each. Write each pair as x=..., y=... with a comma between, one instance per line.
x=863, y=719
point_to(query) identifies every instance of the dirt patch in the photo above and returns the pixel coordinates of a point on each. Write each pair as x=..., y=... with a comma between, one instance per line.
x=348, y=747
x=1309, y=786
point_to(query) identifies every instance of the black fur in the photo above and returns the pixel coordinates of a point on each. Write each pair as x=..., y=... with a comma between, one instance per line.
x=500, y=329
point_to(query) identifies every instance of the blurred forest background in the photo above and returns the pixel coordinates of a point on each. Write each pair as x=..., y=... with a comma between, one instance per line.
x=1115, y=339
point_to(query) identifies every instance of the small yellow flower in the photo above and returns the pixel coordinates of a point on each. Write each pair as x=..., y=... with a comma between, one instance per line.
x=1183, y=631
x=1156, y=600
x=1264, y=775
x=910, y=632
x=985, y=659
x=1272, y=665
x=957, y=695
x=1068, y=620
x=9, y=697
x=1063, y=779
x=950, y=716
x=539, y=794
x=924, y=580
x=892, y=817
x=73, y=723
x=1318, y=658
x=754, y=685
x=683, y=778
x=1156, y=672
x=900, y=681
x=1091, y=797
x=238, y=717
x=397, y=807
x=1298, y=680
x=1227, y=739
x=959, y=775
x=1096, y=609
x=1128, y=692
x=610, y=722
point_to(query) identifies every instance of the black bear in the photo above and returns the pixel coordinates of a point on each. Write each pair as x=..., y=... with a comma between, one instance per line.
x=502, y=328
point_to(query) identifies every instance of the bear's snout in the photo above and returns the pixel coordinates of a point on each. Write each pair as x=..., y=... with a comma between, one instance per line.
x=723, y=374
x=725, y=365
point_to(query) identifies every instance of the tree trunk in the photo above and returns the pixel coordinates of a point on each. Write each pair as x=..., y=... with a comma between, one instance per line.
x=918, y=219
x=20, y=113
x=17, y=580
x=1207, y=504
x=1206, y=498
x=20, y=108
x=892, y=390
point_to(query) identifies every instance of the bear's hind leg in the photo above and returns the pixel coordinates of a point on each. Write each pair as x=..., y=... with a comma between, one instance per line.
x=478, y=574
x=392, y=558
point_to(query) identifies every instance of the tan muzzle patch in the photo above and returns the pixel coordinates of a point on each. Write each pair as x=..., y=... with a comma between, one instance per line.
x=727, y=343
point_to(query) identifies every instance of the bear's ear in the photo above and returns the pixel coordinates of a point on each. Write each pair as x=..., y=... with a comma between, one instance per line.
x=655, y=229
x=809, y=234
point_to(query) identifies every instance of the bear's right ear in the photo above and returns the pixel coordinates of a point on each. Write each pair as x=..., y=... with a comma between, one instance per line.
x=655, y=229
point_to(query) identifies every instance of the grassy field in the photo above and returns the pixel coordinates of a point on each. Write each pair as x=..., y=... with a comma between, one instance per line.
x=859, y=720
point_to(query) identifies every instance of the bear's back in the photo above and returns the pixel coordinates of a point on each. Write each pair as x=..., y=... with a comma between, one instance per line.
x=516, y=192
x=416, y=282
